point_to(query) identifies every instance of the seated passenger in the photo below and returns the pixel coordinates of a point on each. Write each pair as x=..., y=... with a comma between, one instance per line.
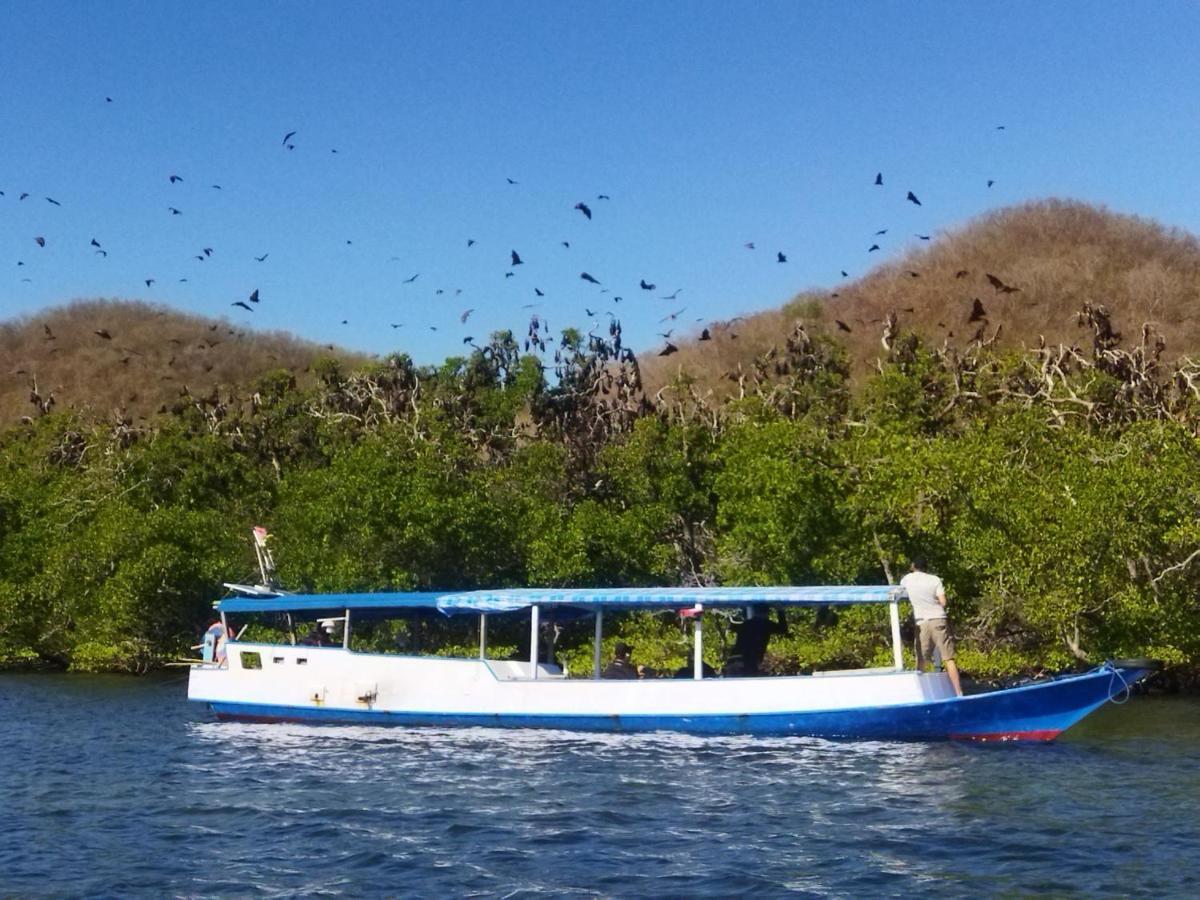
x=317, y=637
x=622, y=666
x=688, y=670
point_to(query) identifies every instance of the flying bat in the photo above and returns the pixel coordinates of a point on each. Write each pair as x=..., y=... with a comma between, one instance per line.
x=1000, y=286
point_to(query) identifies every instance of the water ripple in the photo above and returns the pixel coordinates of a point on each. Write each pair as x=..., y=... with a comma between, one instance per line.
x=117, y=787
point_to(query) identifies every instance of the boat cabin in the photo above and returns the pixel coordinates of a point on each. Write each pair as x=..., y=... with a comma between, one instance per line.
x=336, y=614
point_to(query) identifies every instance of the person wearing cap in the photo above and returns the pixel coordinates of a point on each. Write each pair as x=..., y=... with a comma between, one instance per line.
x=318, y=636
x=621, y=666
x=927, y=595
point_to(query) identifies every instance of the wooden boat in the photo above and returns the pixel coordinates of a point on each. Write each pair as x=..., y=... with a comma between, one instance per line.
x=269, y=682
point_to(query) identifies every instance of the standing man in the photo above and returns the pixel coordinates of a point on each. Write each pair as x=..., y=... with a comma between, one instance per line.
x=752, y=635
x=927, y=595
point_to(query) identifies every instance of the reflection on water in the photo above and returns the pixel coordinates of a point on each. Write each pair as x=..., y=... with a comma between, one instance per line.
x=119, y=787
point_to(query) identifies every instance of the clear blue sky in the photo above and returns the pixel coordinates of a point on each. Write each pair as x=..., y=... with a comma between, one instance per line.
x=709, y=124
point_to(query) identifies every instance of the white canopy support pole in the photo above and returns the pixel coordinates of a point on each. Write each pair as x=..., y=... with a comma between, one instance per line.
x=533, y=639
x=483, y=635
x=346, y=632
x=596, y=644
x=897, y=647
x=698, y=628
x=222, y=663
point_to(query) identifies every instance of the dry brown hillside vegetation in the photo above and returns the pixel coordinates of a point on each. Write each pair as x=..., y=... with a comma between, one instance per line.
x=1013, y=277
x=127, y=358
x=1045, y=261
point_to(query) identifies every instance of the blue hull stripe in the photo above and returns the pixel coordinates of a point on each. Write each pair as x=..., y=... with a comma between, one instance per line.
x=1037, y=712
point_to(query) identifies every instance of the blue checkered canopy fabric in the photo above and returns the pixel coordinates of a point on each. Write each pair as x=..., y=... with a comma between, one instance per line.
x=513, y=599
x=509, y=599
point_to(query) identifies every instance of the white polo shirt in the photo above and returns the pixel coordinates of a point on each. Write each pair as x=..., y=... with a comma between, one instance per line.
x=923, y=590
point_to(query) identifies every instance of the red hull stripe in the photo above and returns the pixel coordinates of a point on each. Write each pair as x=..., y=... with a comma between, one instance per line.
x=1048, y=734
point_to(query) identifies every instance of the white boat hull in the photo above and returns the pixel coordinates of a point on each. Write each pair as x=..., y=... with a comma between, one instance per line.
x=323, y=682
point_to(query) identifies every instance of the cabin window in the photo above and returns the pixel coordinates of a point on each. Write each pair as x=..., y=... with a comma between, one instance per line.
x=251, y=659
x=302, y=660
x=278, y=660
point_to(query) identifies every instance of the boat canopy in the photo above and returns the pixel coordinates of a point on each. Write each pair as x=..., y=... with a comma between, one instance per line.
x=591, y=599
x=331, y=604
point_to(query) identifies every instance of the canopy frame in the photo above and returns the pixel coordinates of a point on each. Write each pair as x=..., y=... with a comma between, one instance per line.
x=583, y=599
x=594, y=600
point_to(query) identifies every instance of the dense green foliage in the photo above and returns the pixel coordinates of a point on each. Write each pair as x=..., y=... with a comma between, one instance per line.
x=1063, y=519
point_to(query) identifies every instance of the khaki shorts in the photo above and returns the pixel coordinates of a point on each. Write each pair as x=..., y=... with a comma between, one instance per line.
x=934, y=634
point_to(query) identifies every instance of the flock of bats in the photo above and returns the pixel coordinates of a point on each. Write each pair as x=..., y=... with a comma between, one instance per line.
x=252, y=297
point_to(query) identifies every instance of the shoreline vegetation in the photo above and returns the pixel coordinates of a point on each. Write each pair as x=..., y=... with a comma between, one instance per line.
x=1054, y=488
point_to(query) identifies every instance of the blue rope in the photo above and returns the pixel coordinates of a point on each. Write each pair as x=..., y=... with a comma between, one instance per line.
x=1125, y=689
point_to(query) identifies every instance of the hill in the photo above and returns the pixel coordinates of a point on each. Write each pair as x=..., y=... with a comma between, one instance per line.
x=101, y=356
x=1049, y=257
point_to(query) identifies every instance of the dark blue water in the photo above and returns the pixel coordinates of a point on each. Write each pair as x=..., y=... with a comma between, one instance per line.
x=118, y=787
